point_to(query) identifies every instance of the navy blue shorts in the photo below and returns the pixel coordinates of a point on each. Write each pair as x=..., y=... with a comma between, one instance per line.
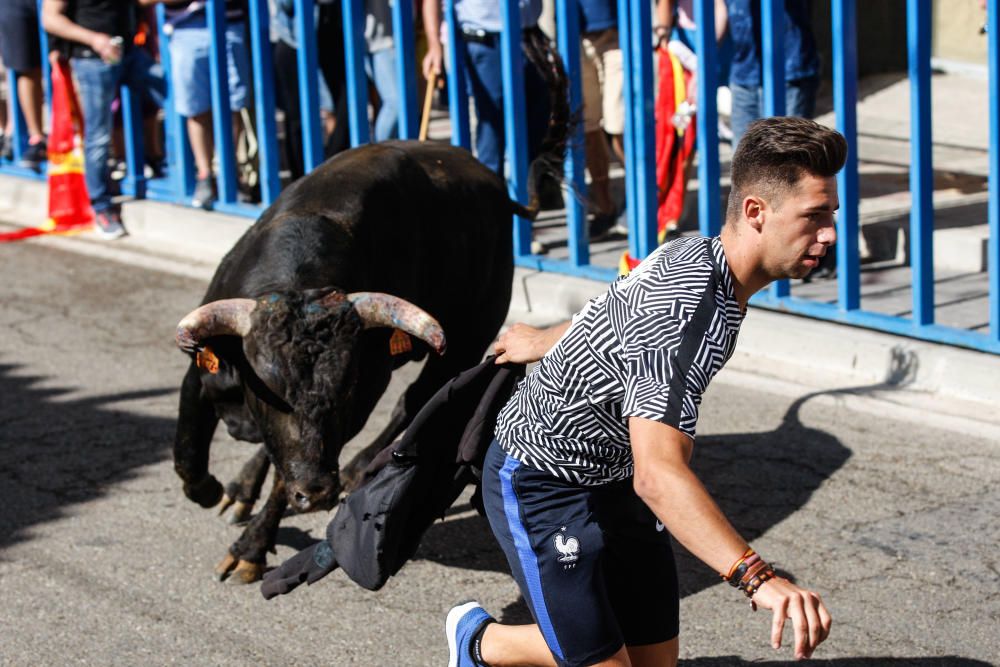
x=19, y=42
x=594, y=565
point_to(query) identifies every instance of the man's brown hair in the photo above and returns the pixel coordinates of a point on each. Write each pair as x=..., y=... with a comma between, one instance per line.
x=776, y=152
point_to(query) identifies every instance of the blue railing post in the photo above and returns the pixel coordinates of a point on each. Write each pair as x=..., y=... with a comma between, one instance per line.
x=772, y=32
x=515, y=132
x=43, y=44
x=222, y=120
x=644, y=164
x=263, y=93
x=568, y=21
x=179, y=159
x=402, y=36
x=458, y=101
x=918, y=31
x=628, y=139
x=306, y=65
x=709, y=221
x=20, y=129
x=845, y=102
x=993, y=251
x=354, y=64
x=132, y=130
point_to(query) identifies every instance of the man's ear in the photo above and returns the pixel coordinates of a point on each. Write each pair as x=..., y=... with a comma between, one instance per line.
x=753, y=211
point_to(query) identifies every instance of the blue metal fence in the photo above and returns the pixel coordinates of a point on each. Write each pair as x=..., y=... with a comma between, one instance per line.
x=640, y=187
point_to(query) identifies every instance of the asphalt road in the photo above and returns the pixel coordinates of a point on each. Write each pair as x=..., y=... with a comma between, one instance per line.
x=103, y=561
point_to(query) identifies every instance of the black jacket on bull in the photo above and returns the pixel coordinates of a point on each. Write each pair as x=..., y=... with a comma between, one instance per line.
x=408, y=486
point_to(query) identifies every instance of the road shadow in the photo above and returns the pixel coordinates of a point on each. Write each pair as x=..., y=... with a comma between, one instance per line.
x=57, y=452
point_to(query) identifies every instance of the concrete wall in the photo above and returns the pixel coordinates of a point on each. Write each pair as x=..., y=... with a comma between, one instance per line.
x=956, y=35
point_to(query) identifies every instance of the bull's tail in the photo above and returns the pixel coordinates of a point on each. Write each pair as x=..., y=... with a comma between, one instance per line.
x=542, y=53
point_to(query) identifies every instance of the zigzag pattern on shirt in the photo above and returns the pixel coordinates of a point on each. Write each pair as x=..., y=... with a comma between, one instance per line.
x=648, y=347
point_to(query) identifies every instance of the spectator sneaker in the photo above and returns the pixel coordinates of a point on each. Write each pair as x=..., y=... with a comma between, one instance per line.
x=464, y=622
x=108, y=224
x=204, y=193
x=34, y=155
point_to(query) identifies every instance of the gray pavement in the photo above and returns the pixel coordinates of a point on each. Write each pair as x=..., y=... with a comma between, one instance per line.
x=887, y=514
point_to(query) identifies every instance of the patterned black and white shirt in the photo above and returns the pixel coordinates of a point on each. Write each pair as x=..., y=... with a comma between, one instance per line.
x=647, y=347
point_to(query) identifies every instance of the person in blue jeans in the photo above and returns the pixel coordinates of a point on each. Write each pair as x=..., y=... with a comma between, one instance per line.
x=745, y=75
x=380, y=65
x=480, y=23
x=99, y=36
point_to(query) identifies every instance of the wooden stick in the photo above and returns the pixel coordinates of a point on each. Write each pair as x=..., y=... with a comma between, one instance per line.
x=425, y=118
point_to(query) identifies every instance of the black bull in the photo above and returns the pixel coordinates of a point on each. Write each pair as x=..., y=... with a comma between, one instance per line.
x=300, y=366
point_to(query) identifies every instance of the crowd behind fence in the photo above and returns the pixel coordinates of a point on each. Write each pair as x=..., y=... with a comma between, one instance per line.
x=176, y=182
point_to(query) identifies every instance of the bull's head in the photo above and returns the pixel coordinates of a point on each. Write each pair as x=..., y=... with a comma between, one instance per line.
x=302, y=353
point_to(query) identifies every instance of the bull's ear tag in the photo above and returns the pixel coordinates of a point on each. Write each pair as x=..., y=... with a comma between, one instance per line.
x=206, y=360
x=400, y=342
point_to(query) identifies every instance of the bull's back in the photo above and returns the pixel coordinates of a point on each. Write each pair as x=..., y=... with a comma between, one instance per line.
x=426, y=222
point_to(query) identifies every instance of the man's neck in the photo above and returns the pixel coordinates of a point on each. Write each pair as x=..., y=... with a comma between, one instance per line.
x=744, y=265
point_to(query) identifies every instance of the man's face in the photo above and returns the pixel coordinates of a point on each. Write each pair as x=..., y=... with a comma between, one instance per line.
x=797, y=232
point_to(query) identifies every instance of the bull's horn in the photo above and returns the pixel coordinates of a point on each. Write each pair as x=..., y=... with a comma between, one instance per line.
x=384, y=310
x=227, y=317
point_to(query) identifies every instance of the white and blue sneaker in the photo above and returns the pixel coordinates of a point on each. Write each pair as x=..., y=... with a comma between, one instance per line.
x=462, y=625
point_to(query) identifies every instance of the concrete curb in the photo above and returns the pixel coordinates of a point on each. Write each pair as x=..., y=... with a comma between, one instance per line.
x=925, y=380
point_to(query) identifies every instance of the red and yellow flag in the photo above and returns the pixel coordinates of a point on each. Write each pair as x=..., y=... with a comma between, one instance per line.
x=69, y=203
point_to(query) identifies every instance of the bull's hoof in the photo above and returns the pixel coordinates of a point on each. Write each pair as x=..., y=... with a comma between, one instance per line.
x=241, y=510
x=206, y=492
x=239, y=572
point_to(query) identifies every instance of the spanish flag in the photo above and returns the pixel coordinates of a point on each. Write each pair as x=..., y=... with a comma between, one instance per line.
x=69, y=203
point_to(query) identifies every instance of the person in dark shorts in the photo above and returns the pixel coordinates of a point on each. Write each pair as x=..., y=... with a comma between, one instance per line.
x=588, y=476
x=21, y=52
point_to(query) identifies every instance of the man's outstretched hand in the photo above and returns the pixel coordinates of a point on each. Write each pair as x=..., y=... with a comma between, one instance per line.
x=524, y=344
x=809, y=617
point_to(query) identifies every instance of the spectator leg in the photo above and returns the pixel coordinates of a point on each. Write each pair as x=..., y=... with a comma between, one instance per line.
x=746, y=109
x=597, y=165
x=200, y=133
x=285, y=67
x=800, y=97
x=29, y=92
x=330, y=53
x=485, y=85
x=381, y=67
x=98, y=85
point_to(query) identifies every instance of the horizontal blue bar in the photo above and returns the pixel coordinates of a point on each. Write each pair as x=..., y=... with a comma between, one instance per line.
x=589, y=271
x=21, y=172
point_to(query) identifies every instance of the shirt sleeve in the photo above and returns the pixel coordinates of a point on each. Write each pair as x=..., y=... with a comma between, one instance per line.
x=663, y=356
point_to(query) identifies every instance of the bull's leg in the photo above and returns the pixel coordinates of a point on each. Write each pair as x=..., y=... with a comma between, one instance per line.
x=196, y=423
x=244, y=564
x=242, y=493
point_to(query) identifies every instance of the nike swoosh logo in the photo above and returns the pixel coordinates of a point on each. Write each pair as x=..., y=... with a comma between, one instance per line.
x=659, y=527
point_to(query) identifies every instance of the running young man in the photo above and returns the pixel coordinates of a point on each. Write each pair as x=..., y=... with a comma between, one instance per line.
x=590, y=461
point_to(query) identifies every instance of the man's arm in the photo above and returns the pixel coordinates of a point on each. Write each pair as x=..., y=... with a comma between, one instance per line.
x=523, y=344
x=666, y=483
x=432, y=28
x=55, y=22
